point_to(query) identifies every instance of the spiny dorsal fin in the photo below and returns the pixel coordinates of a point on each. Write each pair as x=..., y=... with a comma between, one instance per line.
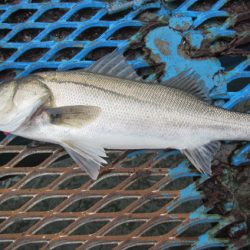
x=114, y=64
x=190, y=82
x=202, y=157
x=75, y=116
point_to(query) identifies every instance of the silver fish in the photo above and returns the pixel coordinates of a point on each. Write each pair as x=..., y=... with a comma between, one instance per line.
x=107, y=106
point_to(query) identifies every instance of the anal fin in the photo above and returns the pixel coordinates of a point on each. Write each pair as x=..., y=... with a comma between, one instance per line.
x=89, y=157
x=202, y=157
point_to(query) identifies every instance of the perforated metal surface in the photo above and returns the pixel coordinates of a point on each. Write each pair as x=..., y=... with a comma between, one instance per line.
x=143, y=199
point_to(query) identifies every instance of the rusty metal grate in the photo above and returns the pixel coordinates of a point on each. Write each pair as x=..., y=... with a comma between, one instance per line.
x=143, y=199
x=139, y=200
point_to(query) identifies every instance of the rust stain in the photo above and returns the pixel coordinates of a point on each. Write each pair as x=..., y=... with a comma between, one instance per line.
x=162, y=46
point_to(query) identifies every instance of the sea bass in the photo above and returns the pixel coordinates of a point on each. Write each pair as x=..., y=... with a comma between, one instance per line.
x=108, y=106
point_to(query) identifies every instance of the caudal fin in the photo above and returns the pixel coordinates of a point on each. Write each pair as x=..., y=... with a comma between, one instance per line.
x=202, y=157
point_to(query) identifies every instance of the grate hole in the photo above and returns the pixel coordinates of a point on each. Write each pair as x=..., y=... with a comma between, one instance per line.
x=144, y=182
x=145, y=72
x=32, y=55
x=52, y=15
x=40, y=1
x=14, y=203
x=109, y=182
x=152, y=206
x=202, y=5
x=197, y=230
x=170, y=161
x=124, y=33
x=91, y=33
x=113, y=157
x=99, y=53
x=245, y=47
x=9, y=180
x=54, y=227
x=89, y=228
x=161, y=229
x=47, y=204
x=58, y=34
x=238, y=84
x=33, y=160
x=6, y=157
x=236, y=6
x=71, y=1
x=179, y=183
x=20, y=16
x=5, y=53
x=4, y=244
x=74, y=182
x=182, y=247
x=7, y=75
x=2, y=135
x=83, y=14
x=65, y=54
x=125, y=228
x=31, y=246
x=139, y=247
x=62, y=162
x=4, y=32
x=116, y=16
x=69, y=246
x=82, y=205
x=136, y=159
x=19, y=226
x=148, y=15
x=230, y=62
x=212, y=22
x=9, y=1
x=26, y=35
x=187, y=207
x=103, y=247
x=40, y=182
x=20, y=141
x=132, y=54
x=242, y=107
x=117, y=205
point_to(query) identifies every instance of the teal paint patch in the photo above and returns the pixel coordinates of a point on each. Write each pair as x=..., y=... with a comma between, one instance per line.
x=165, y=43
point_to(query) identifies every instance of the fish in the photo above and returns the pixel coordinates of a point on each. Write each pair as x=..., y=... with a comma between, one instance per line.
x=108, y=106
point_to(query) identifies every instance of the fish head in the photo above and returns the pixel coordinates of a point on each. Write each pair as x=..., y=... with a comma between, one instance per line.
x=20, y=99
x=7, y=92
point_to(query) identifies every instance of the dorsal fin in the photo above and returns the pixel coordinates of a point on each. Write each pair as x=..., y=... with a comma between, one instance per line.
x=189, y=82
x=114, y=64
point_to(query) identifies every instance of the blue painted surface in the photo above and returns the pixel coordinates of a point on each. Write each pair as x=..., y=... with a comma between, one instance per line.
x=183, y=23
x=175, y=62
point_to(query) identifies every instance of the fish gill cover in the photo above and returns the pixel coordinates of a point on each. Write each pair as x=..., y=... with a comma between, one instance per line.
x=143, y=199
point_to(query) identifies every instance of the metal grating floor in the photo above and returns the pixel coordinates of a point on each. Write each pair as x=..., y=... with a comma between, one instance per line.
x=142, y=199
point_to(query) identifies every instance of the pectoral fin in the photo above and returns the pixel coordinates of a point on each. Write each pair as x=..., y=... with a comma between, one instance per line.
x=202, y=157
x=76, y=116
x=87, y=155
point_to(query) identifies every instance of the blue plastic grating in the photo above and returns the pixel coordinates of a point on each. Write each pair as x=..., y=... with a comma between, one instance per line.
x=64, y=35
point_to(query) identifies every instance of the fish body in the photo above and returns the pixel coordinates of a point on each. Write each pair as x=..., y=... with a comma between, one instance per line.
x=87, y=112
x=137, y=115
